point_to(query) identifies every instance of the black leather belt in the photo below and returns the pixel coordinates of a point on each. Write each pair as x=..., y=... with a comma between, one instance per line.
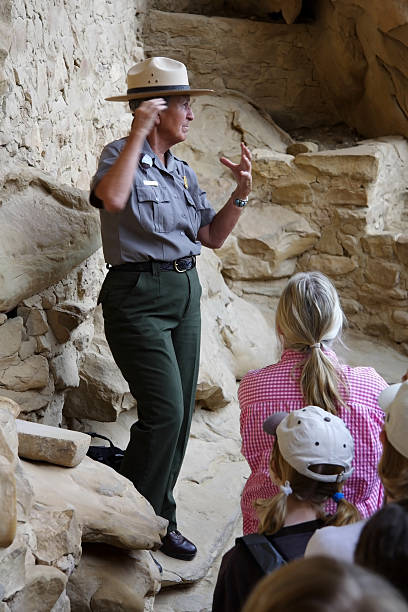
x=179, y=265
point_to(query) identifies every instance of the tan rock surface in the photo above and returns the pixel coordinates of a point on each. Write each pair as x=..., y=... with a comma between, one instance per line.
x=8, y=465
x=107, y=505
x=265, y=236
x=114, y=580
x=43, y=588
x=366, y=41
x=51, y=444
x=31, y=256
x=283, y=82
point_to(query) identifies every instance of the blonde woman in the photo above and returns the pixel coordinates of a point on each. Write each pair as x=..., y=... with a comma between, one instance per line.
x=392, y=469
x=324, y=585
x=309, y=319
x=311, y=459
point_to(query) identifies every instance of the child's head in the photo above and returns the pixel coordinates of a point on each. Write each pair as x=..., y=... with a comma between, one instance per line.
x=383, y=545
x=311, y=458
x=324, y=584
x=393, y=465
x=309, y=318
x=309, y=311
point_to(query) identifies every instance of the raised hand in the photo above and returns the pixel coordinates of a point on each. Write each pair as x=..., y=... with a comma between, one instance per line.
x=241, y=172
x=145, y=115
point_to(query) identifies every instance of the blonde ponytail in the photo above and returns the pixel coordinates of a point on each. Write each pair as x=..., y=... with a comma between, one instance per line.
x=346, y=512
x=309, y=317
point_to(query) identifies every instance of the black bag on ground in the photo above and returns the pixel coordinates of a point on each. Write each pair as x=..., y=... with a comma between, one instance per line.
x=109, y=455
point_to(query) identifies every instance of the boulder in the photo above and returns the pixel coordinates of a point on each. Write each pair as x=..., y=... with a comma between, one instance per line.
x=114, y=580
x=44, y=590
x=264, y=237
x=51, y=444
x=107, y=505
x=8, y=464
x=34, y=254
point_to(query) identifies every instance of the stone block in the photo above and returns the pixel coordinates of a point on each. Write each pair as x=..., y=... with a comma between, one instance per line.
x=65, y=369
x=332, y=265
x=328, y=242
x=51, y=444
x=379, y=245
x=400, y=317
x=32, y=373
x=351, y=245
x=382, y=273
x=11, y=334
x=12, y=566
x=43, y=587
x=401, y=247
x=27, y=348
x=58, y=534
x=354, y=195
x=302, y=147
x=358, y=163
x=36, y=323
x=107, y=505
x=64, y=318
x=112, y=579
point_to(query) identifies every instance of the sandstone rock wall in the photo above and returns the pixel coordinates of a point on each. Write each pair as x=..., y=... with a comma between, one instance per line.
x=344, y=60
x=57, y=62
x=266, y=63
x=360, y=51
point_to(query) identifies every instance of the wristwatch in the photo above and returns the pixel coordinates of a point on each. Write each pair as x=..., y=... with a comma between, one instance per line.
x=240, y=203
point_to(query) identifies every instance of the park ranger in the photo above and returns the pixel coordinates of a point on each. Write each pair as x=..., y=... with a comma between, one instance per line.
x=154, y=219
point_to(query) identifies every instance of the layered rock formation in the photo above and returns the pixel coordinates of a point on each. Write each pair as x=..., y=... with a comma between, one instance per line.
x=322, y=199
x=47, y=511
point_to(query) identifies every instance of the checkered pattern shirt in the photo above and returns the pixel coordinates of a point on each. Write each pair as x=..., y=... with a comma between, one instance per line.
x=277, y=388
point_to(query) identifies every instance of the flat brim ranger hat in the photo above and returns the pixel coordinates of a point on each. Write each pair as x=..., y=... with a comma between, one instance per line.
x=157, y=77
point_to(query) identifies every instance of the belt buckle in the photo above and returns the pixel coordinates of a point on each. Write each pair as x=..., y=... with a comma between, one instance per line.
x=177, y=269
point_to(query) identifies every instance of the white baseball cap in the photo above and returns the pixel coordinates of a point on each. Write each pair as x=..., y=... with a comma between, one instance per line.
x=394, y=401
x=312, y=436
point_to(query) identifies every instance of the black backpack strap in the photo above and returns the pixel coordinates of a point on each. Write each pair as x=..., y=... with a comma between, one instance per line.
x=96, y=435
x=263, y=551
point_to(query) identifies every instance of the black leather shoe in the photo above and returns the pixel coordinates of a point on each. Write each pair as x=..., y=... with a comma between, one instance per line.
x=177, y=546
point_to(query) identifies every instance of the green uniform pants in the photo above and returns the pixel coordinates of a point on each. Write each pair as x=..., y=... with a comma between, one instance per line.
x=152, y=325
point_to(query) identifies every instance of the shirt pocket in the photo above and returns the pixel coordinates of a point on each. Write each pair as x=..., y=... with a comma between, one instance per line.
x=154, y=210
x=193, y=213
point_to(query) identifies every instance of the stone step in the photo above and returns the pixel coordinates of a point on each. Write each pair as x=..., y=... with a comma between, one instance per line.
x=51, y=444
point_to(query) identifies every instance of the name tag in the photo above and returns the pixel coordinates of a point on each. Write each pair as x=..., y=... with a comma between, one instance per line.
x=151, y=183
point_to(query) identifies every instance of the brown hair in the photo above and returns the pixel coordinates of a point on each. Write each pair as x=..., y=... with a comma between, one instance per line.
x=309, y=313
x=383, y=545
x=393, y=471
x=323, y=584
x=272, y=512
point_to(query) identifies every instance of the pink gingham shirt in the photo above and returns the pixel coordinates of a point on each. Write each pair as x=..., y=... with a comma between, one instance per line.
x=277, y=388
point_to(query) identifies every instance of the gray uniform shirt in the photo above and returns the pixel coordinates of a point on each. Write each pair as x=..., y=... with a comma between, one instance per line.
x=161, y=219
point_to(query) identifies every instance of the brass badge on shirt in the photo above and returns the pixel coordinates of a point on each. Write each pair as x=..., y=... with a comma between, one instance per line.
x=152, y=183
x=185, y=182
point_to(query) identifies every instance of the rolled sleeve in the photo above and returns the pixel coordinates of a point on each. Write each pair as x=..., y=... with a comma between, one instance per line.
x=108, y=157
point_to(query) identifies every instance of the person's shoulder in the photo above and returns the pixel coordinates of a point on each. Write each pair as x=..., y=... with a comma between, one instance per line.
x=336, y=542
x=366, y=376
x=115, y=145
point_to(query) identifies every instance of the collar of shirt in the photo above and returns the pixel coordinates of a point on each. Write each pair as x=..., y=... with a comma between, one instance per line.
x=294, y=356
x=170, y=163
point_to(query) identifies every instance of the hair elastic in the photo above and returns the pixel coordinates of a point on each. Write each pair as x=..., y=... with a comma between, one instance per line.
x=286, y=488
x=316, y=345
x=337, y=497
